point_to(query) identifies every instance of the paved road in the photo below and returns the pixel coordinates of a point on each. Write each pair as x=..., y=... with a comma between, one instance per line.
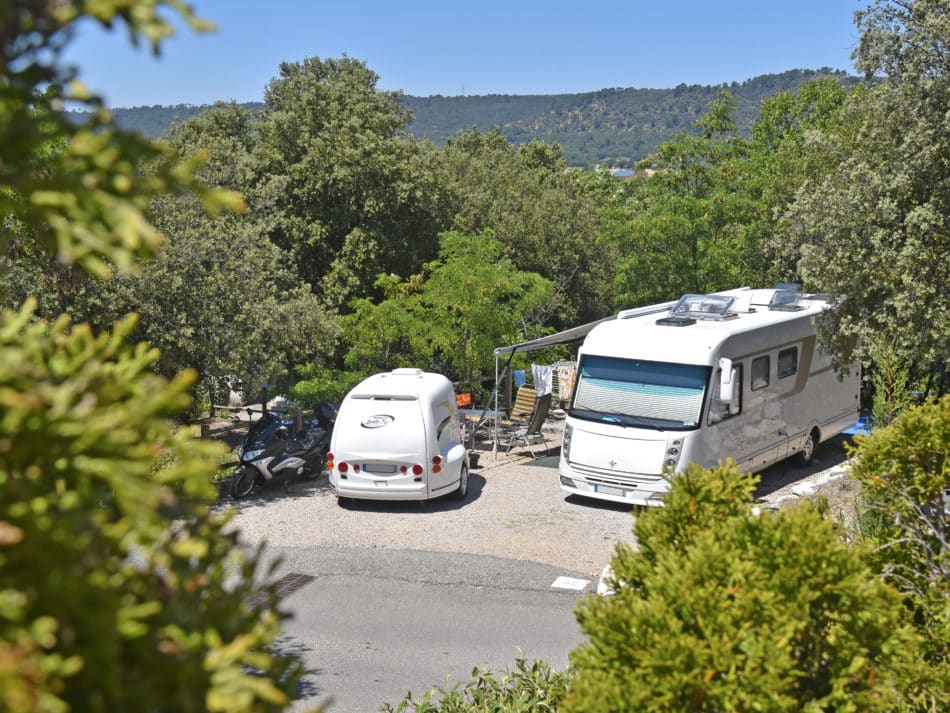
x=374, y=622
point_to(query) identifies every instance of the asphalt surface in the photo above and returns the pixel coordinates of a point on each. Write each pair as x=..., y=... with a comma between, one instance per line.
x=374, y=624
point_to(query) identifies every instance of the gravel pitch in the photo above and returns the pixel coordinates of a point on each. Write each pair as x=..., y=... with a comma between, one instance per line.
x=513, y=510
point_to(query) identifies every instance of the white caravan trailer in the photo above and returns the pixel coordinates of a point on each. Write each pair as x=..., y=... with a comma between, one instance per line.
x=397, y=437
x=733, y=375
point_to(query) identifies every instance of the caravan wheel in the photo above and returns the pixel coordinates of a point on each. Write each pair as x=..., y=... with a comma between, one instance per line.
x=462, y=490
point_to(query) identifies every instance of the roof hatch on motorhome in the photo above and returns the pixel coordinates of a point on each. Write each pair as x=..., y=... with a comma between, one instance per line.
x=693, y=307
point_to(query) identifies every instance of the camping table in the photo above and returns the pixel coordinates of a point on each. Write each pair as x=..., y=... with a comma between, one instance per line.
x=474, y=419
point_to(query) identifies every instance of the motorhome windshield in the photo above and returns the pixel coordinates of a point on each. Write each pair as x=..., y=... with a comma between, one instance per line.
x=645, y=394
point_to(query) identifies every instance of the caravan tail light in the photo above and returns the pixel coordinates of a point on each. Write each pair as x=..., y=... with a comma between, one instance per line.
x=403, y=469
x=437, y=464
x=329, y=461
x=343, y=467
x=417, y=469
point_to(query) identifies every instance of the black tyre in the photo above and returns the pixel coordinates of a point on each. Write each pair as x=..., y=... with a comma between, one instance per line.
x=315, y=468
x=462, y=490
x=242, y=482
x=807, y=454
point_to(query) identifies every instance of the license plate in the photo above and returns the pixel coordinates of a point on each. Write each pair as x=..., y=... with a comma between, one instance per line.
x=609, y=490
x=379, y=468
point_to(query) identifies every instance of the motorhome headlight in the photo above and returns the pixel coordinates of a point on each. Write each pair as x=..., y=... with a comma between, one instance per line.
x=673, y=450
x=566, y=441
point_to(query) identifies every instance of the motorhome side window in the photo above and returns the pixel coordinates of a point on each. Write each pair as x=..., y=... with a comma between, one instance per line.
x=787, y=362
x=760, y=373
x=720, y=410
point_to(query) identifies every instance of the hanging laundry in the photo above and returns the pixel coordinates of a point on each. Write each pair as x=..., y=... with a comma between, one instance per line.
x=543, y=376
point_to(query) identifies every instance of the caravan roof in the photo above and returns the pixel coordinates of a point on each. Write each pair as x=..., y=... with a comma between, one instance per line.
x=692, y=330
x=402, y=384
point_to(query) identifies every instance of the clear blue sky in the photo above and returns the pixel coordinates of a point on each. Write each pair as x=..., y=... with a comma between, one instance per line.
x=489, y=47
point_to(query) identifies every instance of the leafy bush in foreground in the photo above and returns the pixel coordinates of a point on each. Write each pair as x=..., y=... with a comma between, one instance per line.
x=119, y=589
x=726, y=609
x=905, y=472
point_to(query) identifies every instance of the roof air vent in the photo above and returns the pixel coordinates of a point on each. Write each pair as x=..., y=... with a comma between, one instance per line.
x=693, y=307
x=676, y=321
x=785, y=301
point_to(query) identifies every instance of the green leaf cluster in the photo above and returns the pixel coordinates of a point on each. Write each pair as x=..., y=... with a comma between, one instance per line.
x=726, y=608
x=119, y=589
x=451, y=317
x=87, y=204
x=323, y=385
x=871, y=225
x=529, y=688
x=905, y=472
x=686, y=228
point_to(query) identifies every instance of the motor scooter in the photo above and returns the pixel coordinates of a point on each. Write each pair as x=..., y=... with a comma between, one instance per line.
x=271, y=452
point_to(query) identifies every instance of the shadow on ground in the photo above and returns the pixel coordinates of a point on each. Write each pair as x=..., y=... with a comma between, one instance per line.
x=829, y=454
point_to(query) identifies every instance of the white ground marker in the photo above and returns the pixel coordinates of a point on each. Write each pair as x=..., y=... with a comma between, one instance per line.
x=570, y=583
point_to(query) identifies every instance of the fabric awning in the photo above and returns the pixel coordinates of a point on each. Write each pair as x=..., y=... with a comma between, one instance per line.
x=574, y=334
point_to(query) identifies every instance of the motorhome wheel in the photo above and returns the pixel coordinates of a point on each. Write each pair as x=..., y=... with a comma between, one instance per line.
x=807, y=453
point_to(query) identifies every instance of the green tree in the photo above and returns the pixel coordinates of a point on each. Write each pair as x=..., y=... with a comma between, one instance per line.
x=87, y=204
x=796, y=138
x=874, y=229
x=219, y=299
x=119, y=588
x=451, y=316
x=905, y=473
x=684, y=228
x=338, y=184
x=545, y=216
x=723, y=608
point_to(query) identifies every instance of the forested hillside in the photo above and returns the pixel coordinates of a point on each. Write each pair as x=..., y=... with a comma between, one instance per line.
x=614, y=127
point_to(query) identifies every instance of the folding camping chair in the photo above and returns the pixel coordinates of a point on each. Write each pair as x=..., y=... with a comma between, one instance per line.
x=532, y=431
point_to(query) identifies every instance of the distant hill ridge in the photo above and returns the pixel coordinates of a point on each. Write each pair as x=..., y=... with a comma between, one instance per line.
x=614, y=127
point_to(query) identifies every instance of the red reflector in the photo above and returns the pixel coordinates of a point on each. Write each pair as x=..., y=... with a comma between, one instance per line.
x=437, y=459
x=417, y=469
x=356, y=467
x=343, y=467
x=403, y=469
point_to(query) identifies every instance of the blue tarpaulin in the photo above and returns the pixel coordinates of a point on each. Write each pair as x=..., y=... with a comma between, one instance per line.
x=862, y=427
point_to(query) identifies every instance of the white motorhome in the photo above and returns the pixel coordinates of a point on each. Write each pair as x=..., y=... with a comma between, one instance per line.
x=397, y=437
x=736, y=374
